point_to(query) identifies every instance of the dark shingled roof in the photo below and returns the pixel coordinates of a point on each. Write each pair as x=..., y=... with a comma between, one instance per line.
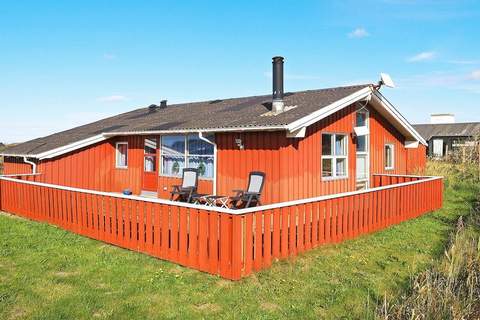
x=216, y=114
x=465, y=129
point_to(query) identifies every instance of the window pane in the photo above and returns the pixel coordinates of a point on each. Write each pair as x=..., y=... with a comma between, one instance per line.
x=173, y=145
x=388, y=156
x=361, y=167
x=361, y=119
x=327, y=168
x=122, y=155
x=149, y=163
x=340, y=145
x=327, y=145
x=362, y=143
x=199, y=147
x=150, y=146
x=341, y=167
x=204, y=165
x=173, y=166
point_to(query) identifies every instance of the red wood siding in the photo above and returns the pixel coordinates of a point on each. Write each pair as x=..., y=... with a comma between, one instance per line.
x=381, y=133
x=417, y=160
x=292, y=166
x=15, y=165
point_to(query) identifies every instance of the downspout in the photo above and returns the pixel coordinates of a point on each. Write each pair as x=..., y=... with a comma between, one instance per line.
x=200, y=135
x=33, y=164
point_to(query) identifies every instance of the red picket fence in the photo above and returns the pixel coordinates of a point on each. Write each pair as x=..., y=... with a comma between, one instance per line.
x=380, y=180
x=229, y=243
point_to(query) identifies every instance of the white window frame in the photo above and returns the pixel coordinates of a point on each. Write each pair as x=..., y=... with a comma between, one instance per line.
x=117, y=154
x=367, y=136
x=334, y=157
x=186, y=155
x=365, y=153
x=392, y=146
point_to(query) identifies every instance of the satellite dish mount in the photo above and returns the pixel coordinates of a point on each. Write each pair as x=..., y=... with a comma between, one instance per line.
x=385, y=80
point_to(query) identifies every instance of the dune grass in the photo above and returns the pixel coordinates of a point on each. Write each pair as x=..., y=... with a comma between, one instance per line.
x=48, y=273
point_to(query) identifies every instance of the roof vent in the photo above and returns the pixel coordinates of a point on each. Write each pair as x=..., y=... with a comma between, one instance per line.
x=163, y=104
x=277, y=94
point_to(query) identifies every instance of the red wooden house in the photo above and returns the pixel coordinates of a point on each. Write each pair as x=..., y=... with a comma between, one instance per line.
x=339, y=162
x=308, y=143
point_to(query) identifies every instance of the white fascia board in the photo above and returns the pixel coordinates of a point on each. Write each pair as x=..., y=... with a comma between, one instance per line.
x=206, y=130
x=300, y=133
x=397, y=116
x=411, y=144
x=70, y=147
x=18, y=155
x=330, y=109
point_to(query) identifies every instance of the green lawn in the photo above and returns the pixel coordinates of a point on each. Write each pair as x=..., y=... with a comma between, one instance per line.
x=48, y=273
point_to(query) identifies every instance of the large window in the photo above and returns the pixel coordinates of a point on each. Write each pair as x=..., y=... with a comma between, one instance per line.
x=389, y=157
x=334, y=155
x=188, y=151
x=122, y=155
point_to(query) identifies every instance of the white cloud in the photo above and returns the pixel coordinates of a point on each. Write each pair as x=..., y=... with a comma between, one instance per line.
x=109, y=56
x=475, y=75
x=358, y=33
x=446, y=80
x=423, y=56
x=464, y=62
x=113, y=98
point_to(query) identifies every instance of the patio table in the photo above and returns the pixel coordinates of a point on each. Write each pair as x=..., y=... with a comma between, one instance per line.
x=211, y=200
x=220, y=201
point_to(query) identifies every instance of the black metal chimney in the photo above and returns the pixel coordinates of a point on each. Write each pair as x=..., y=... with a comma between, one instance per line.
x=277, y=95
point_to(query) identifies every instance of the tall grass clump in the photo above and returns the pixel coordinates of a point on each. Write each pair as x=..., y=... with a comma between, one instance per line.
x=450, y=289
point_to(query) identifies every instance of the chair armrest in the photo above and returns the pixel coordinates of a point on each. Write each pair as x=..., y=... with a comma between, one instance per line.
x=176, y=188
x=238, y=192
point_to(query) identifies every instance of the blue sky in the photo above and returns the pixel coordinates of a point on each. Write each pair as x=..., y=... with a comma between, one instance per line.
x=67, y=63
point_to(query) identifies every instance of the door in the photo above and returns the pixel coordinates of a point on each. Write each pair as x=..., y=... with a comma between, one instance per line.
x=438, y=148
x=362, y=149
x=150, y=167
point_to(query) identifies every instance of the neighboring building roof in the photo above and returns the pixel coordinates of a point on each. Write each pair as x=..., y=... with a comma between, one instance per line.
x=238, y=114
x=461, y=129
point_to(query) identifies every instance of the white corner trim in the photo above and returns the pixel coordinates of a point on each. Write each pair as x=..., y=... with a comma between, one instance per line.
x=70, y=147
x=300, y=133
x=330, y=109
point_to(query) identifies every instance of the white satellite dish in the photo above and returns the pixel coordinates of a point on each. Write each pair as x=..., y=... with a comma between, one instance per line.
x=386, y=80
